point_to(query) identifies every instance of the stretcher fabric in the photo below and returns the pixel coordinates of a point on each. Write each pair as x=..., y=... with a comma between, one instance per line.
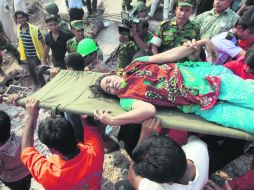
x=69, y=91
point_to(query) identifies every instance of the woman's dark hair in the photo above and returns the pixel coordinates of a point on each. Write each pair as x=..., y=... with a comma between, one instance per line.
x=160, y=159
x=249, y=58
x=57, y=133
x=75, y=61
x=50, y=18
x=96, y=87
x=5, y=127
x=21, y=13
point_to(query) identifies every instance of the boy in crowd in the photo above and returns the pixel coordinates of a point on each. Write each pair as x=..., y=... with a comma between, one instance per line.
x=13, y=173
x=55, y=40
x=30, y=45
x=73, y=165
x=227, y=42
x=160, y=163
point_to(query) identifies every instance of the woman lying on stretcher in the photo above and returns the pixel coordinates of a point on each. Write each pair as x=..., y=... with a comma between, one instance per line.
x=210, y=91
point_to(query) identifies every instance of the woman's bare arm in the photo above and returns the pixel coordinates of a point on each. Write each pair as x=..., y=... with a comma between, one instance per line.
x=140, y=111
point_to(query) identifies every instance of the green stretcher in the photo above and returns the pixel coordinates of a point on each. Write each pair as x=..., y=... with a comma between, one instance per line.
x=69, y=91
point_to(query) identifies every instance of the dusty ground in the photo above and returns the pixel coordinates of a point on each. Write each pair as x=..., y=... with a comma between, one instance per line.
x=116, y=164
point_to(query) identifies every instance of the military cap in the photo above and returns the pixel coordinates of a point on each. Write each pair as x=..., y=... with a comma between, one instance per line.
x=186, y=3
x=140, y=6
x=77, y=24
x=51, y=8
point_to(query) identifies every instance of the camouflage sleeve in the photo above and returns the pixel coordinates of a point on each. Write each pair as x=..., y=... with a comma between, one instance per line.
x=125, y=55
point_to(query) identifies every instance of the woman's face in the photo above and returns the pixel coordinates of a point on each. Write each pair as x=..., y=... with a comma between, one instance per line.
x=110, y=84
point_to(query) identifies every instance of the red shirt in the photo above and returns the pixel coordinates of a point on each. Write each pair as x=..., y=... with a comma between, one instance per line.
x=82, y=172
x=238, y=67
x=245, y=182
x=246, y=44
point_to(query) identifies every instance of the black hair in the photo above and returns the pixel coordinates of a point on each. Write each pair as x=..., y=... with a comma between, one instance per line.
x=240, y=22
x=57, y=133
x=75, y=61
x=5, y=127
x=249, y=2
x=96, y=87
x=21, y=13
x=51, y=18
x=160, y=159
x=249, y=58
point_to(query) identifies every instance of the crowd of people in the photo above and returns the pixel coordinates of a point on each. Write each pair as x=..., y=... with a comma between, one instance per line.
x=201, y=61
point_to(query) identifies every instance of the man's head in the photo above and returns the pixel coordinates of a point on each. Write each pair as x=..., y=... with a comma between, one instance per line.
x=5, y=127
x=142, y=28
x=249, y=60
x=58, y=135
x=141, y=9
x=88, y=49
x=52, y=23
x=245, y=25
x=51, y=8
x=77, y=27
x=184, y=10
x=221, y=5
x=160, y=159
x=21, y=17
x=74, y=61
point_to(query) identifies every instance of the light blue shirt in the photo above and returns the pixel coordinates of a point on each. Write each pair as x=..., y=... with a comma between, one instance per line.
x=75, y=4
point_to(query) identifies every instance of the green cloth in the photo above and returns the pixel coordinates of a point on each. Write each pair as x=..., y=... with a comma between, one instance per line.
x=172, y=36
x=210, y=24
x=126, y=103
x=69, y=91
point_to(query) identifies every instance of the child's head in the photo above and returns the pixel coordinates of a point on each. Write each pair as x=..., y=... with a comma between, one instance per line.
x=160, y=159
x=249, y=60
x=5, y=127
x=74, y=61
x=57, y=133
x=244, y=25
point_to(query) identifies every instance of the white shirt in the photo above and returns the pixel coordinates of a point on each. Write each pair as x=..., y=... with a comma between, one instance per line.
x=75, y=4
x=226, y=48
x=195, y=150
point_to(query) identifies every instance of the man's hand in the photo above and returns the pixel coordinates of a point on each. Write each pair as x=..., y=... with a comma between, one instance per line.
x=212, y=51
x=148, y=127
x=54, y=71
x=32, y=108
x=104, y=117
x=213, y=186
x=12, y=99
x=192, y=43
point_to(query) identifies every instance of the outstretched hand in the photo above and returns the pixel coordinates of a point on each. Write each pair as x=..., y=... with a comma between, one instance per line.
x=141, y=59
x=212, y=52
x=13, y=98
x=104, y=117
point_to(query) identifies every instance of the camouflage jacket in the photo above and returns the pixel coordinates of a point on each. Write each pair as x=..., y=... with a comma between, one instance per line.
x=171, y=36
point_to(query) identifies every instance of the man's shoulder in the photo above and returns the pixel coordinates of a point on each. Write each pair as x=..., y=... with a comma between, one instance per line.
x=71, y=40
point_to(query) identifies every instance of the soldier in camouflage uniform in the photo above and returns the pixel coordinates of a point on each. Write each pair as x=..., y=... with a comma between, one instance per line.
x=52, y=9
x=174, y=33
x=130, y=49
x=5, y=44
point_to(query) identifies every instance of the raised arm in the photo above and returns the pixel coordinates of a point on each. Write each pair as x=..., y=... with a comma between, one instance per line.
x=140, y=111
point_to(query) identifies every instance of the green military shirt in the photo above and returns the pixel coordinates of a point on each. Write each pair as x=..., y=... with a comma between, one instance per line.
x=72, y=45
x=127, y=51
x=168, y=35
x=210, y=24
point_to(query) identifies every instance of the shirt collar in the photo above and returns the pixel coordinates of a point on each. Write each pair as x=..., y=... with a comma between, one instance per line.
x=212, y=12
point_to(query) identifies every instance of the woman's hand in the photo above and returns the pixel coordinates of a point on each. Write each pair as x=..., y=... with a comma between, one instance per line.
x=104, y=117
x=141, y=59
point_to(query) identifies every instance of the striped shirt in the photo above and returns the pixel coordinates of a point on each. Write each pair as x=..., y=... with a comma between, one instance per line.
x=28, y=43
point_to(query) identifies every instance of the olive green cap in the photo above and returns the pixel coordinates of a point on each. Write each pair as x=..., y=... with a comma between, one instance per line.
x=51, y=8
x=186, y=3
x=140, y=6
x=77, y=24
